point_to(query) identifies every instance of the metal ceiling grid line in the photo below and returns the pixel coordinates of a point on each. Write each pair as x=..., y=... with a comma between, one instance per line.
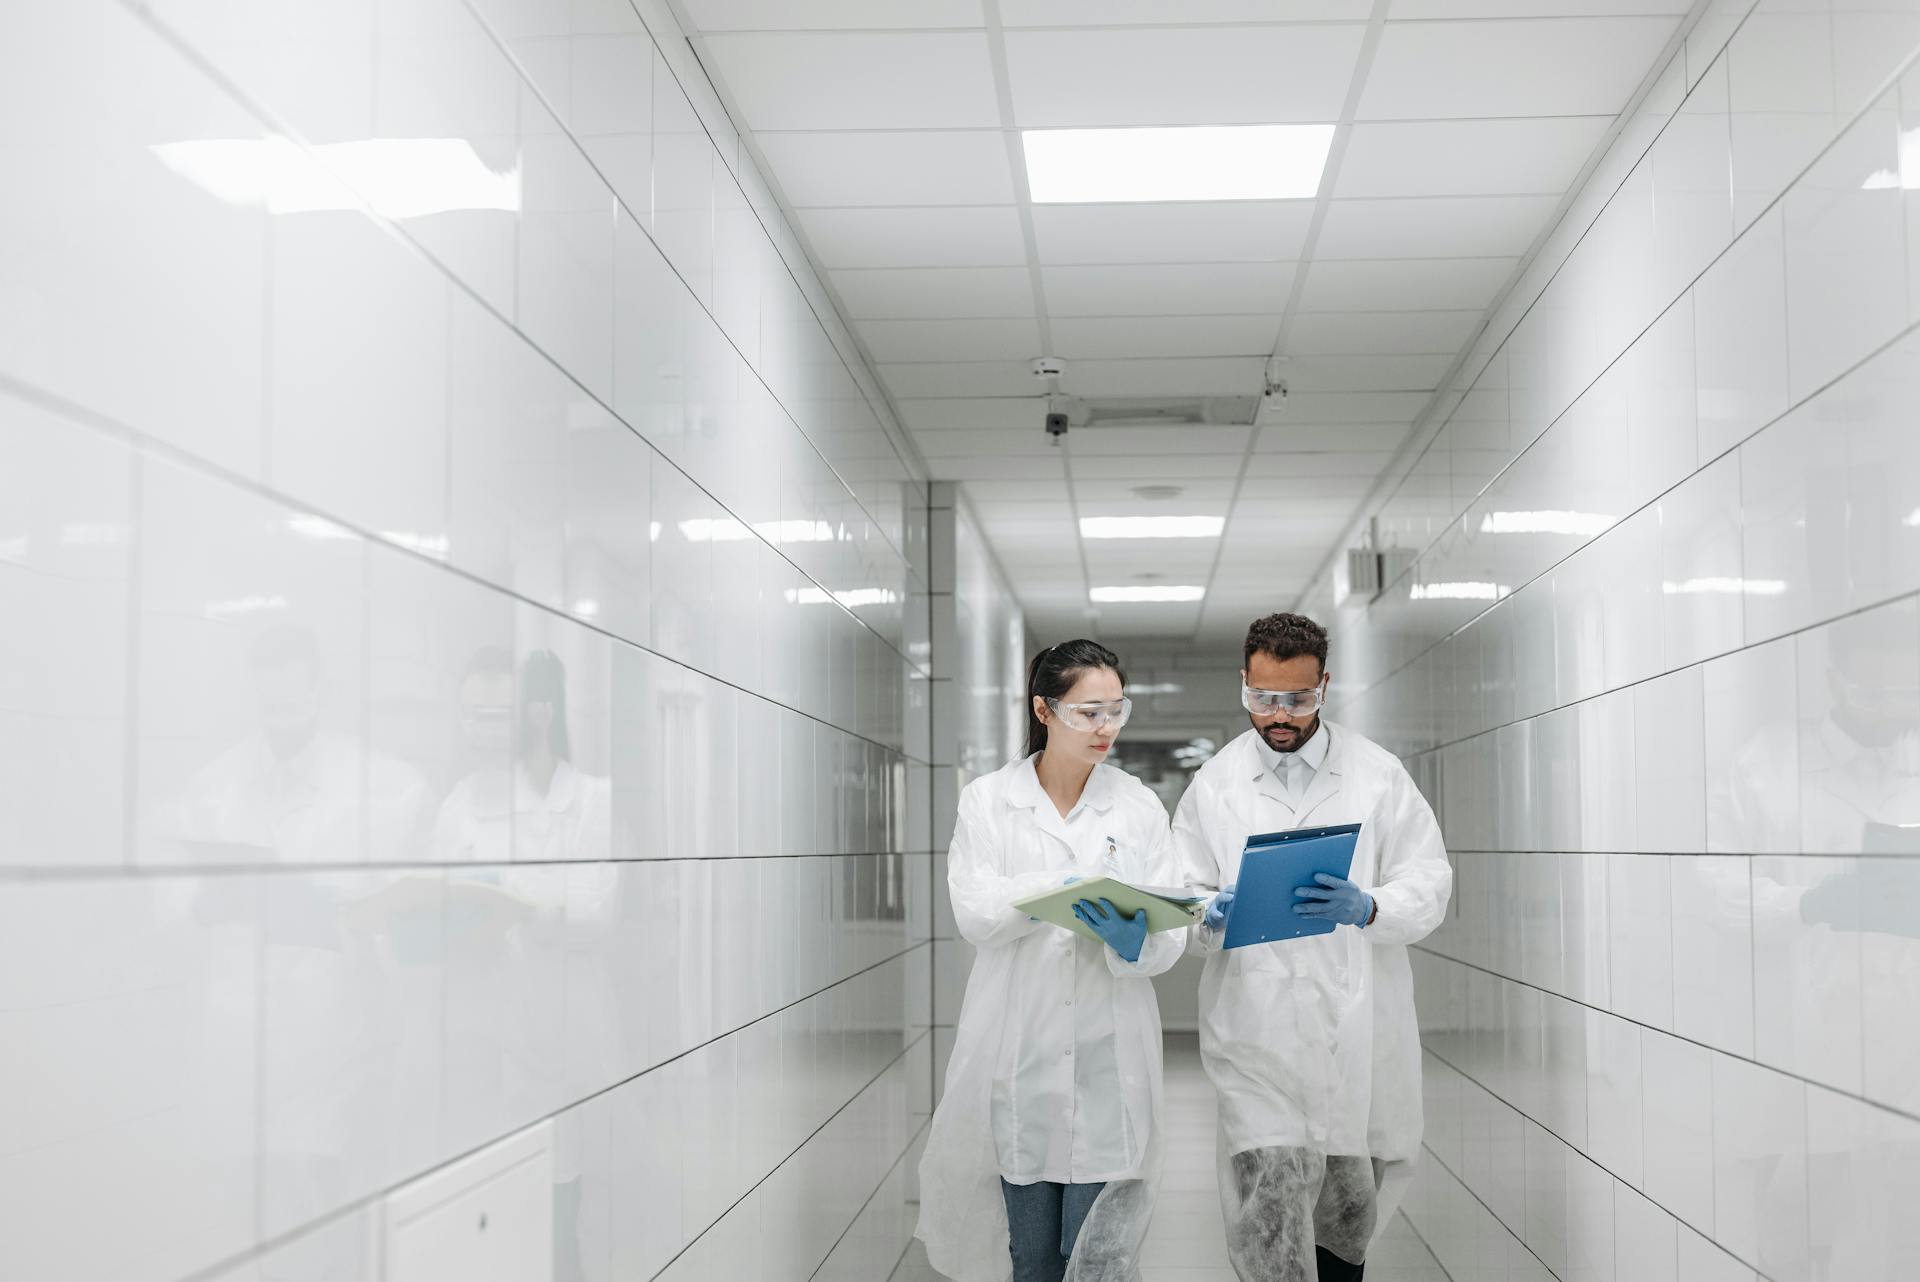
x=1023, y=202
x=1424, y=428
x=696, y=40
x=1329, y=178
x=1170, y=124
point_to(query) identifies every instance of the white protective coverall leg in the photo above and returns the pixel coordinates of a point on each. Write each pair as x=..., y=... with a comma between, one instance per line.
x=1056, y=1066
x=1311, y=1043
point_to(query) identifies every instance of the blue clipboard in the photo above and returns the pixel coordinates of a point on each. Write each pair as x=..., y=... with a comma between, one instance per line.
x=1272, y=867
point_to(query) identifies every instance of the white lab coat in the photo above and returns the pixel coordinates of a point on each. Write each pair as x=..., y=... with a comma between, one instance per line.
x=1056, y=1067
x=1313, y=1042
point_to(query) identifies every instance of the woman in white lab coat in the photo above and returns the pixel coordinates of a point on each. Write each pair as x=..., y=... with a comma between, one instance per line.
x=1045, y=1147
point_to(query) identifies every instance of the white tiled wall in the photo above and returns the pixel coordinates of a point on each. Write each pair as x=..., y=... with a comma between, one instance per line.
x=979, y=723
x=1669, y=1026
x=367, y=369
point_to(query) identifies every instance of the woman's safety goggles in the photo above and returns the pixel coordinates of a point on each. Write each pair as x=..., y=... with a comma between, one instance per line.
x=1283, y=703
x=1092, y=716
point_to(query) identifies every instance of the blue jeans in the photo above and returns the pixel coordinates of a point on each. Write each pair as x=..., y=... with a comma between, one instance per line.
x=1043, y=1222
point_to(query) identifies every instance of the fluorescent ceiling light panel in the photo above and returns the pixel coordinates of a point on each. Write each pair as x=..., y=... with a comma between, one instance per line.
x=1155, y=592
x=1151, y=527
x=1230, y=162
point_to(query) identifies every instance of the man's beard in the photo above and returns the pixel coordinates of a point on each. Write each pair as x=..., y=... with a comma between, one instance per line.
x=1293, y=739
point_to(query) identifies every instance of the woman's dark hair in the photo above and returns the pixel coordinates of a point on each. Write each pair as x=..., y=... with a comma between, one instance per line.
x=1053, y=672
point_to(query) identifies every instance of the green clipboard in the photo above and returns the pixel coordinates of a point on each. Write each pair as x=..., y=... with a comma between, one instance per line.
x=1166, y=909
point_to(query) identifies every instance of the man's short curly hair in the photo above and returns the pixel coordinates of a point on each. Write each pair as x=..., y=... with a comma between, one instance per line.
x=1286, y=636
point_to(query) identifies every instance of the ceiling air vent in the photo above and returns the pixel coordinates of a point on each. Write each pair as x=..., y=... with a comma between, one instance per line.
x=1163, y=411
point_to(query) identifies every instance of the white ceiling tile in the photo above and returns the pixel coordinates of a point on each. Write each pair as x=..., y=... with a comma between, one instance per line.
x=825, y=15
x=1423, y=284
x=1198, y=495
x=986, y=236
x=971, y=413
x=1130, y=556
x=819, y=80
x=1340, y=437
x=1434, y=227
x=1222, y=232
x=909, y=168
x=1405, y=9
x=1366, y=373
x=1090, y=338
x=935, y=293
x=1145, y=618
x=956, y=378
x=1199, y=376
x=1566, y=67
x=1353, y=407
x=1025, y=489
x=1468, y=157
x=988, y=443
x=950, y=340
x=1038, y=529
x=1249, y=529
x=1185, y=289
x=1334, y=469
x=999, y=467
x=1358, y=333
x=1127, y=13
x=1181, y=75
x=1156, y=469
x=1136, y=441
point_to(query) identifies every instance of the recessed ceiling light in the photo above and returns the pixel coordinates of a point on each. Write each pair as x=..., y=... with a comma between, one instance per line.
x=1156, y=592
x=1232, y=162
x=1151, y=527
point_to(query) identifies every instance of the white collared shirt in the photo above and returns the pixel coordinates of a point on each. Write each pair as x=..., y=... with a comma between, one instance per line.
x=1295, y=770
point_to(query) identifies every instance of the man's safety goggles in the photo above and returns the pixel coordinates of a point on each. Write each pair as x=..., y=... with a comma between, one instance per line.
x=1283, y=703
x=1092, y=716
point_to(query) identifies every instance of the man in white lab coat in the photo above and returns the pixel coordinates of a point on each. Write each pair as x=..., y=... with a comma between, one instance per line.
x=1311, y=1043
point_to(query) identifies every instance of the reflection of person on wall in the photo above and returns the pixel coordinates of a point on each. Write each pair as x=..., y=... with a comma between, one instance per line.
x=523, y=808
x=339, y=1064
x=1837, y=931
x=539, y=808
x=293, y=792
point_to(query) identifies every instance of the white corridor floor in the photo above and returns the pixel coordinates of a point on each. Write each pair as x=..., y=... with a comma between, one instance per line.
x=1187, y=1243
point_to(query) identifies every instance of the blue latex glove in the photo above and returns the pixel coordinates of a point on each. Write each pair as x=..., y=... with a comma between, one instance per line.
x=1334, y=899
x=1218, y=909
x=1123, y=934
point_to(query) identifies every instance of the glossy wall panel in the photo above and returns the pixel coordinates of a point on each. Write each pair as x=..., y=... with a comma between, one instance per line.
x=979, y=650
x=462, y=670
x=1673, y=740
